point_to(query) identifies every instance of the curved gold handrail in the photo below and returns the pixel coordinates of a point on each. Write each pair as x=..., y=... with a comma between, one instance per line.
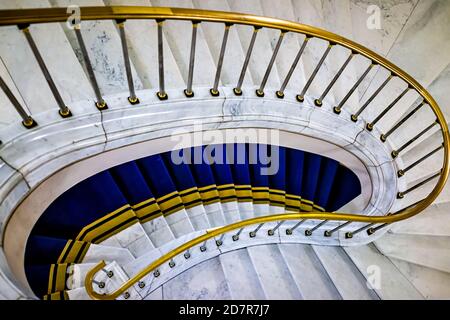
x=46, y=15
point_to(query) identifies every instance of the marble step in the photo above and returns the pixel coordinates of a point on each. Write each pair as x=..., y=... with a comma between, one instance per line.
x=241, y=276
x=205, y=281
x=80, y=271
x=62, y=64
x=178, y=35
x=104, y=47
x=143, y=47
x=433, y=221
x=263, y=48
x=158, y=231
x=381, y=274
x=273, y=273
x=432, y=283
x=234, y=54
x=97, y=252
x=425, y=250
x=308, y=273
x=348, y=280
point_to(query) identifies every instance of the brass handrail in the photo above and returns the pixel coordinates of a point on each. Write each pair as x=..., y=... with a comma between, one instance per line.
x=46, y=15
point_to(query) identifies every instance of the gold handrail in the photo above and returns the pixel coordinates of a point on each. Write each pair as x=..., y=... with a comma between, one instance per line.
x=46, y=15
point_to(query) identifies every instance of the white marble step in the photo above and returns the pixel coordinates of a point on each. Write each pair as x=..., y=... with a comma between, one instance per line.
x=264, y=44
x=231, y=211
x=178, y=35
x=205, y=281
x=104, y=47
x=273, y=273
x=143, y=49
x=432, y=283
x=179, y=223
x=132, y=238
x=308, y=273
x=97, y=252
x=80, y=271
x=348, y=280
x=381, y=274
x=242, y=280
x=215, y=214
x=234, y=54
x=198, y=217
x=158, y=231
x=63, y=65
x=429, y=251
x=432, y=221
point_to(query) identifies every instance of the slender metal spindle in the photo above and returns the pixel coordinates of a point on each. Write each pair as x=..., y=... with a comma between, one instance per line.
x=187, y=254
x=318, y=102
x=370, y=125
x=355, y=116
x=219, y=242
x=301, y=97
x=27, y=120
x=109, y=273
x=309, y=232
x=371, y=231
x=141, y=284
x=236, y=236
x=100, y=103
x=171, y=263
x=402, y=172
x=350, y=234
x=260, y=91
x=401, y=194
x=64, y=111
x=161, y=94
x=238, y=90
x=329, y=233
x=215, y=89
x=338, y=108
x=395, y=153
x=252, y=234
x=100, y=284
x=126, y=58
x=271, y=232
x=203, y=246
x=156, y=273
x=290, y=230
x=188, y=91
x=383, y=137
x=280, y=93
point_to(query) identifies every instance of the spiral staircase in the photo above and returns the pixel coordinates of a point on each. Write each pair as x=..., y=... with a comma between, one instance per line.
x=93, y=204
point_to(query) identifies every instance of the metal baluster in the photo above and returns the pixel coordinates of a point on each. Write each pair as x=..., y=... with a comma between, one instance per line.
x=100, y=284
x=271, y=232
x=301, y=97
x=187, y=254
x=27, y=120
x=220, y=241
x=171, y=263
x=252, y=234
x=383, y=137
x=338, y=108
x=401, y=195
x=318, y=102
x=280, y=93
x=238, y=90
x=188, y=91
x=123, y=39
x=371, y=231
x=100, y=103
x=161, y=94
x=290, y=230
x=309, y=232
x=236, y=236
x=109, y=273
x=156, y=273
x=203, y=246
x=402, y=172
x=141, y=284
x=329, y=233
x=395, y=153
x=354, y=117
x=64, y=111
x=260, y=91
x=370, y=125
x=350, y=235
x=214, y=90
